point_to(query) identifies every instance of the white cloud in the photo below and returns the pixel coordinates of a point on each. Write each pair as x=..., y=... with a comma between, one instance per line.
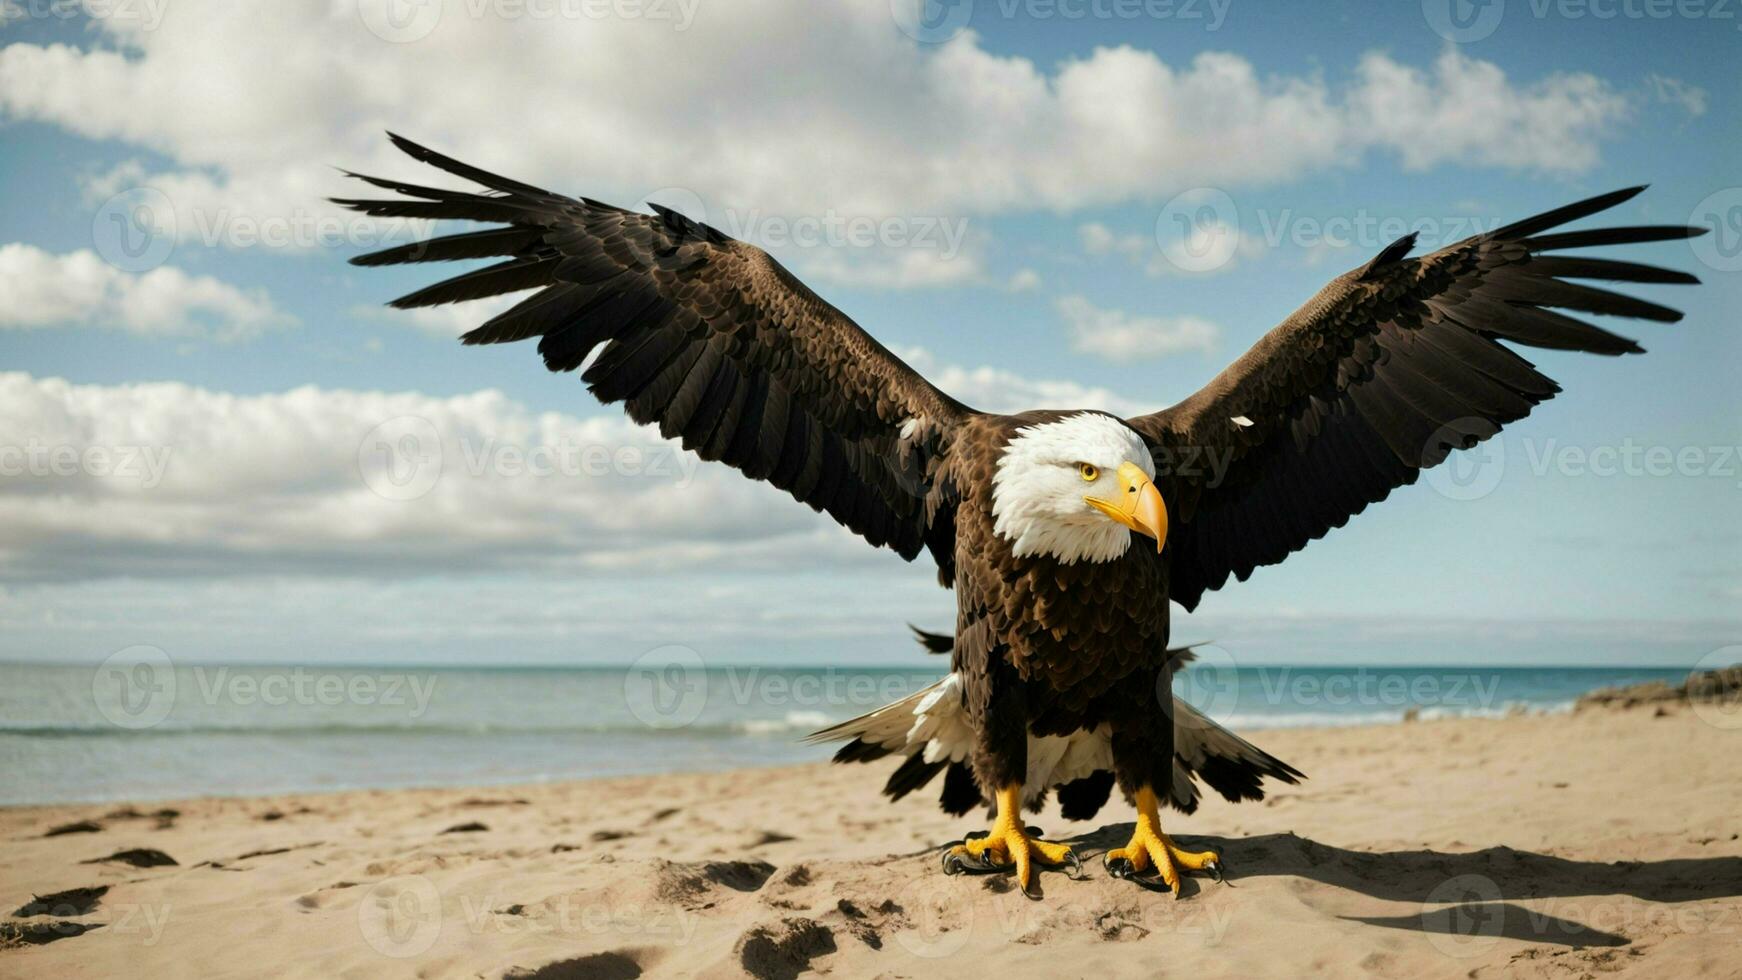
x=991, y=389
x=1023, y=281
x=80, y=289
x=1098, y=239
x=887, y=267
x=197, y=481
x=448, y=320
x=1674, y=91
x=1467, y=111
x=167, y=479
x=1209, y=247
x=819, y=116
x=1119, y=336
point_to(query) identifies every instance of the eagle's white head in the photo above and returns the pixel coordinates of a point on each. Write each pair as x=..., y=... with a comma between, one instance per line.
x=1075, y=489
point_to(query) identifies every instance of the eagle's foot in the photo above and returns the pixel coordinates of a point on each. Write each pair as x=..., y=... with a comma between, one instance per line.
x=1010, y=846
x=1150, y=848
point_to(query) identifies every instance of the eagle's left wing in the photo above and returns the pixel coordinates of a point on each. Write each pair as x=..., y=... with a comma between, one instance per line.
x=708, y=337
x=1379, y=376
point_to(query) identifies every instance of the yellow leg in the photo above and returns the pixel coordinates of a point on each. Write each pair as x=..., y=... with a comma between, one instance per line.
x=1149, y=847
x=1008, y=844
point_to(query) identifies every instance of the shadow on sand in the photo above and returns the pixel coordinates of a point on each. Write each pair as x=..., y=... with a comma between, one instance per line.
x=1461, y=894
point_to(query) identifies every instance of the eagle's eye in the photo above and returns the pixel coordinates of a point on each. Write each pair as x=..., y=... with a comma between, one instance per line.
x=1088, y=472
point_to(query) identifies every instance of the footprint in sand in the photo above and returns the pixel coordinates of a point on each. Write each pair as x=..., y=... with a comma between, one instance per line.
x=14, y=934
x=73, y=901
x=57, y=907
x=163, y=819
x=783, y=950
x=138, y=857
x=76, y=827
x=320, y=899
x=689, y=882
x=615, y=965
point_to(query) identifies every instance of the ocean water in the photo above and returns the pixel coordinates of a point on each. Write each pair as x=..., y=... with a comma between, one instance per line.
x=141, y=729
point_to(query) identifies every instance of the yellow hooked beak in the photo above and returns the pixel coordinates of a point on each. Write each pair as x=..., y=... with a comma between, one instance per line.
x=1139, y=506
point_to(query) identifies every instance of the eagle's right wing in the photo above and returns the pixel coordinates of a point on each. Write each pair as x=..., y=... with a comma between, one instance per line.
x=708, y=337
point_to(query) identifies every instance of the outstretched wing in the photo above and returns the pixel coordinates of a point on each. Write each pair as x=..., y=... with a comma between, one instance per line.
x=707, y=336
x=1379, y=376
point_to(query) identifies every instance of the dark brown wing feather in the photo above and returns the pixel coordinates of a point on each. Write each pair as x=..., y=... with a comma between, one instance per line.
x=708, y=337
x=1381, y=375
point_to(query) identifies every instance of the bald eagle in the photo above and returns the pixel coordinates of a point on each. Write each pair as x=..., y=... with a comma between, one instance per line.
x=1064, y=533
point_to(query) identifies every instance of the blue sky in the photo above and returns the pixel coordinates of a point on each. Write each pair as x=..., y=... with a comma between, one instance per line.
x=1060, y=146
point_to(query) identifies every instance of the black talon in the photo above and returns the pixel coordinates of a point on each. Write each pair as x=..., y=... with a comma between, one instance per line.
x=1215, y=870
x=1074, y=867
x=966, y=862
x=1124, y=870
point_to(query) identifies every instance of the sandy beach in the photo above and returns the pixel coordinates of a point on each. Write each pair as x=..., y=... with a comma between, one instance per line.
x=1603, y=841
